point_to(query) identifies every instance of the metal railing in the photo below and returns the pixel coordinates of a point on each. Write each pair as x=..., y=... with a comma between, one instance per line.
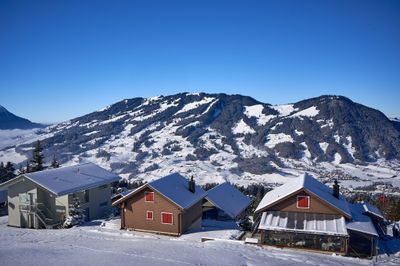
x=47, y=222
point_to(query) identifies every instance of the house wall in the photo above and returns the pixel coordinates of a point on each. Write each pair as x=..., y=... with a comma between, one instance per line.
x=97, y=196
x=316, y=205
x=99, y=203
x=135, y=213
x=15, y=218
x=191, y=215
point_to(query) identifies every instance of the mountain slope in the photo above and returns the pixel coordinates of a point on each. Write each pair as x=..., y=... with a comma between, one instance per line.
x=11, y=121
x=219, y=137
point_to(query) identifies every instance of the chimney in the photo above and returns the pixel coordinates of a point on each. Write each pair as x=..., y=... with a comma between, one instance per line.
x=336, y=189
x=191, y=185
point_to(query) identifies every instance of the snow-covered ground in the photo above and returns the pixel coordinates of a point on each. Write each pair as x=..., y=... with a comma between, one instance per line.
x=102, y=243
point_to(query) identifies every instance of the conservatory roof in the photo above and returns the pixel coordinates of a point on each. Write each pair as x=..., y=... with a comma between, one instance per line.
x=300, y=222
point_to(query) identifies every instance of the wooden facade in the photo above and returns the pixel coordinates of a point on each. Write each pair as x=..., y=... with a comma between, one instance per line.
x=135, y=213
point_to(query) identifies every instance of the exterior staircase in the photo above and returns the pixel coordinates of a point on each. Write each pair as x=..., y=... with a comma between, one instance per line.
x=45, y=221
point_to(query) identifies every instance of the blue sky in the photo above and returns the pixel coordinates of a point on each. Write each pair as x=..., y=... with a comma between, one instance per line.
x=63, y=59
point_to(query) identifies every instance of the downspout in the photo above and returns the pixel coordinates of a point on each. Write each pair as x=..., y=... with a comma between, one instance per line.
x=180, y=223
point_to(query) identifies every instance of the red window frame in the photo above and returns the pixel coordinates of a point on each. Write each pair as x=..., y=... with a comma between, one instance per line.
x=149, y=215
x=167, y=218
x=149, y=196
x=303, y=202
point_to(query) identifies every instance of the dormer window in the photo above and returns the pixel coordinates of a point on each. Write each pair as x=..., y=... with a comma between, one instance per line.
x=303, y=202
x=149, y=196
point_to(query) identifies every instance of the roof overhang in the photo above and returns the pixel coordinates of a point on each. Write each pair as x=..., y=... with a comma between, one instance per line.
x=134, y=192
x=263, y=209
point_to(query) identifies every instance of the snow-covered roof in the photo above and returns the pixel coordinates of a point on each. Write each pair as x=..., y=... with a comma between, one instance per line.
x=371, y=209
x=359, y=222
x=312, y=186
x=3, y=196
x=174, y=187
x=65, y=180
x=312, y=223
x=227, y=198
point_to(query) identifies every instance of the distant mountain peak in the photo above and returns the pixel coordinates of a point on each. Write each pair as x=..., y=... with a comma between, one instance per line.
x=10, y=121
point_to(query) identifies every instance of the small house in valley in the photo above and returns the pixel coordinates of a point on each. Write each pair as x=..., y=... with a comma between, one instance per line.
x=169, y=205
x=307, y=214
x=224, y=202
x=43, y=199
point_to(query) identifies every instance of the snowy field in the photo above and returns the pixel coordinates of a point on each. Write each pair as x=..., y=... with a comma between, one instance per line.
x=102, y=243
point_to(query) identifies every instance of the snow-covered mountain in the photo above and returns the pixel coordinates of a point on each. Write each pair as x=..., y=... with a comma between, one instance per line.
x=218, y=137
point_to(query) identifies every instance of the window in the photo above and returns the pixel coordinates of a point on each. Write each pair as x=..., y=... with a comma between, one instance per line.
x=103, y=204
x=166, y=218
x=303, y=202
x=149, y=215
x=149, y=196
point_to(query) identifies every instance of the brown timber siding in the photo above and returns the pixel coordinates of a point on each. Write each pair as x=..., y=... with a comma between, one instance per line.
x=316, y=205
x=134, y=216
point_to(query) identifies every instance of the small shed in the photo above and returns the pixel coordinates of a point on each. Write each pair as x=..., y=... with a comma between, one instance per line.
x=362, y=231
x=169, y=205
x=224, y=202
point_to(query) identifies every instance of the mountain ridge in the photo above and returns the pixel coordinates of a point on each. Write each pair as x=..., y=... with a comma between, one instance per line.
x=225, y=135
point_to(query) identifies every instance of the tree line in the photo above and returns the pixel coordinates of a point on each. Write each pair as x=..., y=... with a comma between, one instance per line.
x=35, y=164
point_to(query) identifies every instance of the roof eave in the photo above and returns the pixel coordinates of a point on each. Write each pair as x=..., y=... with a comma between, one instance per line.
x=363, y=232
x=127, y=196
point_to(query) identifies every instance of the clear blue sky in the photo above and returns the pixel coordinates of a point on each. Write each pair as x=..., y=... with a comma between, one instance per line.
x=63, y=59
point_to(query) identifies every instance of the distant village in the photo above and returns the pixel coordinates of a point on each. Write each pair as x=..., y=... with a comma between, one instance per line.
x=303, y=214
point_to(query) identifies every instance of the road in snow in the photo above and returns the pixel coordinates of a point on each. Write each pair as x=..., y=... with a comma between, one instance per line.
x=93, y=244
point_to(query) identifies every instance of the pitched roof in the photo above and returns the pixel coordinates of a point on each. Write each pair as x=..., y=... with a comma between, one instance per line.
x=227, y=198
x=371, y=209
x=65, y=180
x=174, y=187
x=312, y=186
x=359, y=222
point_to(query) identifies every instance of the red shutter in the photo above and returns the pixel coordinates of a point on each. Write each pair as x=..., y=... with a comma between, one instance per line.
x=166, y=218
x=149, y=215
x=303, y=202
x=149, y=196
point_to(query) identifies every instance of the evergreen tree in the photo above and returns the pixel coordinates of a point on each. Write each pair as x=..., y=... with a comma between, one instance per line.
x=3, y=172
x=396, y=215
x=21, y=170
x=54, y=162
x=6, y=172
x=10, y=170
x=28, y=167
x=37, y=161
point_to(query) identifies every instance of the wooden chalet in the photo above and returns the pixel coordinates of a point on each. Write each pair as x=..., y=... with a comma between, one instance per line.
x=306, y=214
x=169, y=205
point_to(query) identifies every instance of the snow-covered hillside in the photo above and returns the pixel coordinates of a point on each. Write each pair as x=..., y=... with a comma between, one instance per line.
x=93, y=244
x=218, y=137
